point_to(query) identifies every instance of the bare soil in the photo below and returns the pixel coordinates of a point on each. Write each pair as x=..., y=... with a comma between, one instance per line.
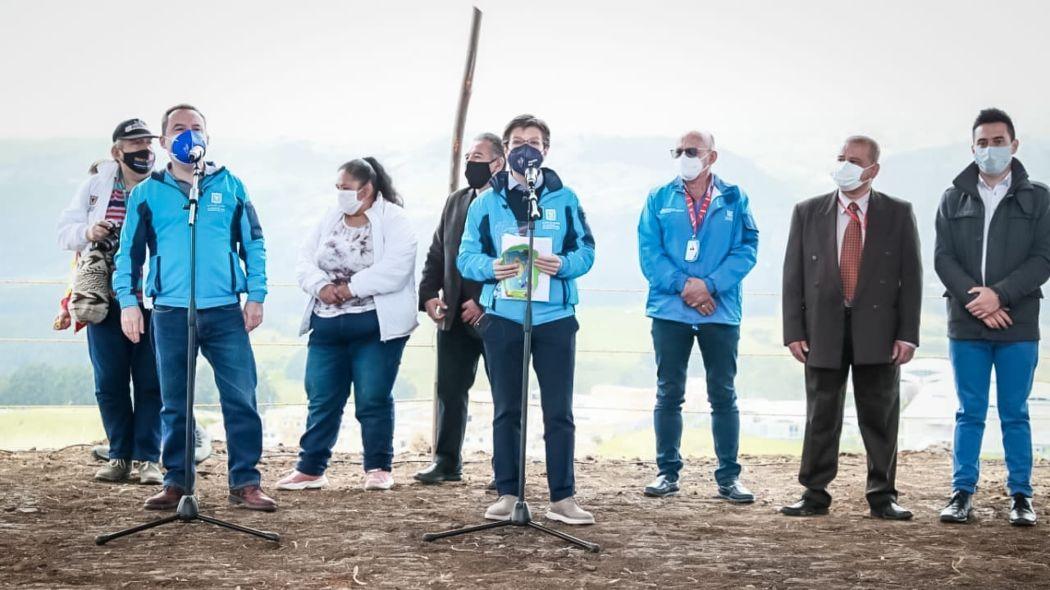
x=342, y=537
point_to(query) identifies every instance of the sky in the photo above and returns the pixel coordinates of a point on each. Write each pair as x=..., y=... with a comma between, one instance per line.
x=779, y=82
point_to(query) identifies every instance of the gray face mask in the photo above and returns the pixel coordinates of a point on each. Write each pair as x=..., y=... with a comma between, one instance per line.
x=993, y=160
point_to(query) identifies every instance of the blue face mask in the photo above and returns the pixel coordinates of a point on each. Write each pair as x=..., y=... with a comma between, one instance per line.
x=523, y=157
x=993, y=160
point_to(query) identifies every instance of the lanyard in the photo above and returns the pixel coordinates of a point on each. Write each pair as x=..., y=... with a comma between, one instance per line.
x=863, y=223
x=698, y=211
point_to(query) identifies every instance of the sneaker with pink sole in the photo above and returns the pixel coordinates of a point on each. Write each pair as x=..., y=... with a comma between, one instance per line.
x=296, y=480
x=378, y=479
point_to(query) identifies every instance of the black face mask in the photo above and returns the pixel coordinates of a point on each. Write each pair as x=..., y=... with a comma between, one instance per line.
x=478, y=174
x=140, y=161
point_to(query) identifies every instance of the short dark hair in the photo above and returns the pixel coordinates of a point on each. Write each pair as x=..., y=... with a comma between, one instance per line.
x=873, y=146
x=179, y=107
x=993, y=115
x=493, y=140
x=524, y=122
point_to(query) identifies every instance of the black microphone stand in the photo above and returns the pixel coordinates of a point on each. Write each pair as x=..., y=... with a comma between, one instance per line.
x=521, y=516
x=188, y=509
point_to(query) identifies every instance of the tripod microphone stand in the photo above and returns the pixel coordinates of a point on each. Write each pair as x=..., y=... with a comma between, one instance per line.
x=188, y=509
x=521, y=516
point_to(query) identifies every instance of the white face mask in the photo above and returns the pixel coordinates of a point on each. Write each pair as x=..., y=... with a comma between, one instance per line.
x=690, y=168
x=993, y=160
x=847, y=176
x=348, y=202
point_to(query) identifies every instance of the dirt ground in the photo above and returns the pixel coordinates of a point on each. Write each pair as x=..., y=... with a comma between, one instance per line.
x=342, y=537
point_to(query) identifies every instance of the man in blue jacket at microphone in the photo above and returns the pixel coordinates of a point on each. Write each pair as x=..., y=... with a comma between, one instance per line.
x=697, y=241
x=496, y=224
x=231, y=260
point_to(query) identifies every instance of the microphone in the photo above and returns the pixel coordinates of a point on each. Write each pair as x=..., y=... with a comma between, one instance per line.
x=532, y=176
x=189, y=147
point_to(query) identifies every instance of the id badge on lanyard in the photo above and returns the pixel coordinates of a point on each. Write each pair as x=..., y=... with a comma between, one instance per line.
x=696, y=218
x=692, y=250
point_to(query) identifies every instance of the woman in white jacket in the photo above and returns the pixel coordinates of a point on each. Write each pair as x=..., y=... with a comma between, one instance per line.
x=357, y=267
x=95, y=214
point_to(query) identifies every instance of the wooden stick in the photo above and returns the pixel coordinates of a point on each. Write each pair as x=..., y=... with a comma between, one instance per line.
x=464, y=101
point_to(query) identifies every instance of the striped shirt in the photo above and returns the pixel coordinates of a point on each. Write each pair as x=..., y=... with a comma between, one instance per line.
x=118, y=204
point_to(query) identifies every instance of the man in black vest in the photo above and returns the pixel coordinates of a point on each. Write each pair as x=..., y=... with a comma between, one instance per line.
x=452, y=302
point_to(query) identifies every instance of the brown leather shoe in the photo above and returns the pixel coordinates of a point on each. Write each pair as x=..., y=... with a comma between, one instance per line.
x=167, y=499
x=252, y=498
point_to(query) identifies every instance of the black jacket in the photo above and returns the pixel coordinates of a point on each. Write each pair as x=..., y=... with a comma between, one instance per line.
x=888, y=301
x=439, y=271
x=1018, y=258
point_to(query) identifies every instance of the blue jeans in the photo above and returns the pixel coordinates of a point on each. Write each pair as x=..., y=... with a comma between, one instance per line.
x=223, y=341
x=554, y=360
x=972, y=362
x=344, y=352
x=131, y=418
x=673, y=343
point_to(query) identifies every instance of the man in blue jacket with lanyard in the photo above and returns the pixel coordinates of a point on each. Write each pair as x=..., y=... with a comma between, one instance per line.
x=228, y=234
x=493, y=217
x=697, y=241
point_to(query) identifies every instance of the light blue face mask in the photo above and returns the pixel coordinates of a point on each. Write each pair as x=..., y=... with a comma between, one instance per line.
x=993, y=159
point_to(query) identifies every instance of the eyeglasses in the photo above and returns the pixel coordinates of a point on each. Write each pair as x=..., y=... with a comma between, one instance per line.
x=516, y=143
x=689, y=152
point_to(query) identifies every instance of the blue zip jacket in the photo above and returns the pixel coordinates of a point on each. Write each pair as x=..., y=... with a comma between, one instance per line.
x=228, y=234
x=728, y=249
x=489, y=217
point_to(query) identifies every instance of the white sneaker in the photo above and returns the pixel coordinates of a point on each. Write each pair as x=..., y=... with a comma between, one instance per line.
x=502, y=509
x=117, y=470
x=569, y=512
x=149, y=473
x=379, y=479
x=296, y=480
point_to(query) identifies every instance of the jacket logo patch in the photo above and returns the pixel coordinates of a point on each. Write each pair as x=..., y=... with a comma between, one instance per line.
x=550, y=214
x=216, y=205
x=667, y=210
x=92, y=200
x=729, y=215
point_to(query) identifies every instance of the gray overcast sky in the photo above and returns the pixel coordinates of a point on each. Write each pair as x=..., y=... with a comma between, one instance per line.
x=781, y=82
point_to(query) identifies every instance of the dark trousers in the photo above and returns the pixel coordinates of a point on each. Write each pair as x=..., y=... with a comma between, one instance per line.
x=130, y=415
x=223, y=341
x=346, y=351
x=554, y=360
x=876, y=390
x=673, y=343
x=458, y=351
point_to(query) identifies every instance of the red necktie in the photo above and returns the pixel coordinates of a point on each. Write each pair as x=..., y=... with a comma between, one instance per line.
x=849, y=262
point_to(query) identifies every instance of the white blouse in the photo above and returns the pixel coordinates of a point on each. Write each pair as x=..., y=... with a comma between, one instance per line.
x=345, y=252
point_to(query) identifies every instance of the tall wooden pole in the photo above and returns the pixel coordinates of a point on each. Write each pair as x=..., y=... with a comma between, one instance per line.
x=464, y=101
x=457, y=156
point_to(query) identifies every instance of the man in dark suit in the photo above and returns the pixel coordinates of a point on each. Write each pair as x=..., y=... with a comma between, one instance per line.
x=452, y=303
x=852, y=299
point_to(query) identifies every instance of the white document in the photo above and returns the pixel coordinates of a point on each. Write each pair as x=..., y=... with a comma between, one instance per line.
x=515, y=251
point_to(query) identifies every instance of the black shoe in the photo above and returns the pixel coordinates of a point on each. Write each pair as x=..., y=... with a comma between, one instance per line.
x=435, y=473
x=959, y=507
x=1021, y=511
x=736, y=493
x=804, y=507
x=891, y=511
x=661, y=487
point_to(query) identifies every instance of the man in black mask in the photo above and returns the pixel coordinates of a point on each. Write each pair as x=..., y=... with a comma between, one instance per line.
x=452, y=303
